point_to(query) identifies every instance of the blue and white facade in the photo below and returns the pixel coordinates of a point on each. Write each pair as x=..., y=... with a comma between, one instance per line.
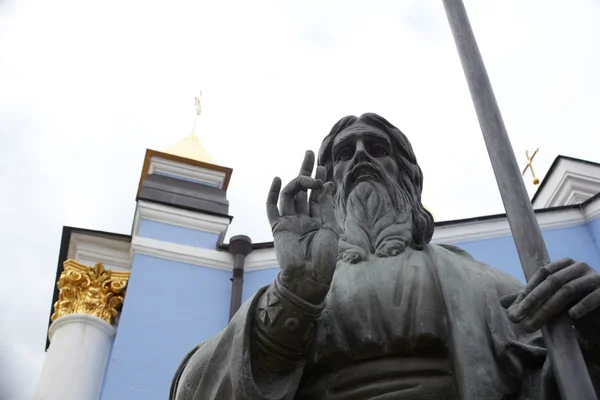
x=180, y=285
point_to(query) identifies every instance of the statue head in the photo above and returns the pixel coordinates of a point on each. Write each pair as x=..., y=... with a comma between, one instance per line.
x=378, y=182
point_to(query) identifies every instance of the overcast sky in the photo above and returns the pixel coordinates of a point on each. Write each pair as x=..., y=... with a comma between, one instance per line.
x=86, y=87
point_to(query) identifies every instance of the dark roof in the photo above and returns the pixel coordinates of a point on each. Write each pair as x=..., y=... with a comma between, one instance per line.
x=184, y=194
x=553, y=166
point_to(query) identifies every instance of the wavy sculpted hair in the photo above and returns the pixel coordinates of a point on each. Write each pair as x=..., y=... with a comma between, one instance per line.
x=410, y=173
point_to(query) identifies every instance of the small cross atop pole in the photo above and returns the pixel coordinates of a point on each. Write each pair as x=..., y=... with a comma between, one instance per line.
x=529, y=166
x=198, y=109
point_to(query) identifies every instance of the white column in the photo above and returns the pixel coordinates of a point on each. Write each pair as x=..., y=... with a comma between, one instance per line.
x=76, y=359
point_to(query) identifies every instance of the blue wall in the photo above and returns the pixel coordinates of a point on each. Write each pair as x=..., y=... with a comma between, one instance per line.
x=575, y=242
x=594, y=227
x=177, y=234
x=169, y=308
x=254, y=280
x=112, y=345
x=172, y=306
x=578, y=243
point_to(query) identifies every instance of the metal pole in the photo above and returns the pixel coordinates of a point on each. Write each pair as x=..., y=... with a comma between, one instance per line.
x=239, y=246
x=237, y=282
x=569, y=368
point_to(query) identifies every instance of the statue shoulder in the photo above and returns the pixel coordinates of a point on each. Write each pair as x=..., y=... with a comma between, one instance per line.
x=195, y=365
x=182, y=375
x=504, y=282
x=456, y=250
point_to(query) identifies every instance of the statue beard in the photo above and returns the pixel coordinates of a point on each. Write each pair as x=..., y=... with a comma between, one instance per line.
x=374, y=213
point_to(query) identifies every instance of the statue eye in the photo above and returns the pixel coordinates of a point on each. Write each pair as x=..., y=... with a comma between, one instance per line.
x=344, y=154
x=378, y=150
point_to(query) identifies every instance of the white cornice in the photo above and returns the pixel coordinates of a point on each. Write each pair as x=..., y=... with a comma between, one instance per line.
x=461, y=232
x=116, y=254
x=185, y=254
x=465, y=231
x=261, y=259
x=178, y=217
x=451, y=234
x=257, y=260
x=591, y=210
x=187, y=172
x=90, y=249
x=571, y=182
x=574, y=188
x=487, y=229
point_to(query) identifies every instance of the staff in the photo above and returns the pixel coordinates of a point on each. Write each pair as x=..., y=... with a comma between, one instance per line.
x=569, y=368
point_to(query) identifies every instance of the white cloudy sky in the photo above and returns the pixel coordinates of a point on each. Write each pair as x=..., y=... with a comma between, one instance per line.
x=86, y=87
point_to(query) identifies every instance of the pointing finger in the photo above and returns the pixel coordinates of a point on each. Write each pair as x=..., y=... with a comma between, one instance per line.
x=305, y=170
x=272, y=211
x=308, y=163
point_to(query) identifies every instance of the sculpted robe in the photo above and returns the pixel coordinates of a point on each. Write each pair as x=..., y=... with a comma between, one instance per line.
x=421, y=325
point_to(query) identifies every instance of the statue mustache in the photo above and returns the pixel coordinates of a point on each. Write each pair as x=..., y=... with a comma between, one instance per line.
x=361, y=169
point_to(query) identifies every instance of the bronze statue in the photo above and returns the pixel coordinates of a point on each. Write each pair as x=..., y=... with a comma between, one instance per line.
x=365, y=308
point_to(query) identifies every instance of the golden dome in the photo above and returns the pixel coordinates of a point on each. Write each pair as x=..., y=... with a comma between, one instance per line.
x=191, y=147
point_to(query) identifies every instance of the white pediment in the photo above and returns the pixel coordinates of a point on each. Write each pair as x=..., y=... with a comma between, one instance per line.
x=178, y=217
x=569, y=181
x=89, y=249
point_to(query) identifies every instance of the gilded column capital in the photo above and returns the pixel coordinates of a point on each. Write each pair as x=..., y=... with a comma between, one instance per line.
x=90, y=290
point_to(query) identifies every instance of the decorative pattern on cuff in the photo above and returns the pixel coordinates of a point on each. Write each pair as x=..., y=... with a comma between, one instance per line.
x=285, y=324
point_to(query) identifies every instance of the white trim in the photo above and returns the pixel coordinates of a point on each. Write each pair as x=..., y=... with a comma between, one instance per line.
x=451, y=234
x=186, y=171
x=574, y=188
x=178, y=217
x=257, y=260
x=488, y=229
x=90, y=249
x=463, y=232
x=591, y=211
x=261, y=259
x=178, y=252
x=183, y=178
x=571, y=182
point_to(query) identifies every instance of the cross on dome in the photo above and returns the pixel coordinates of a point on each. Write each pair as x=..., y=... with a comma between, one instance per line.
x=190, y=146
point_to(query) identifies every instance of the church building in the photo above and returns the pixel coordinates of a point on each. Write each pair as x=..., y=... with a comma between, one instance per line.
x=128, y=308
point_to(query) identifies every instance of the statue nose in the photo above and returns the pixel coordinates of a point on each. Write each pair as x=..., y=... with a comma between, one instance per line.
x=361, y=154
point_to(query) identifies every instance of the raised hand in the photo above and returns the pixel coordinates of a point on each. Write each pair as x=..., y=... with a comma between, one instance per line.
x=560, y=285
x=305, y=231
